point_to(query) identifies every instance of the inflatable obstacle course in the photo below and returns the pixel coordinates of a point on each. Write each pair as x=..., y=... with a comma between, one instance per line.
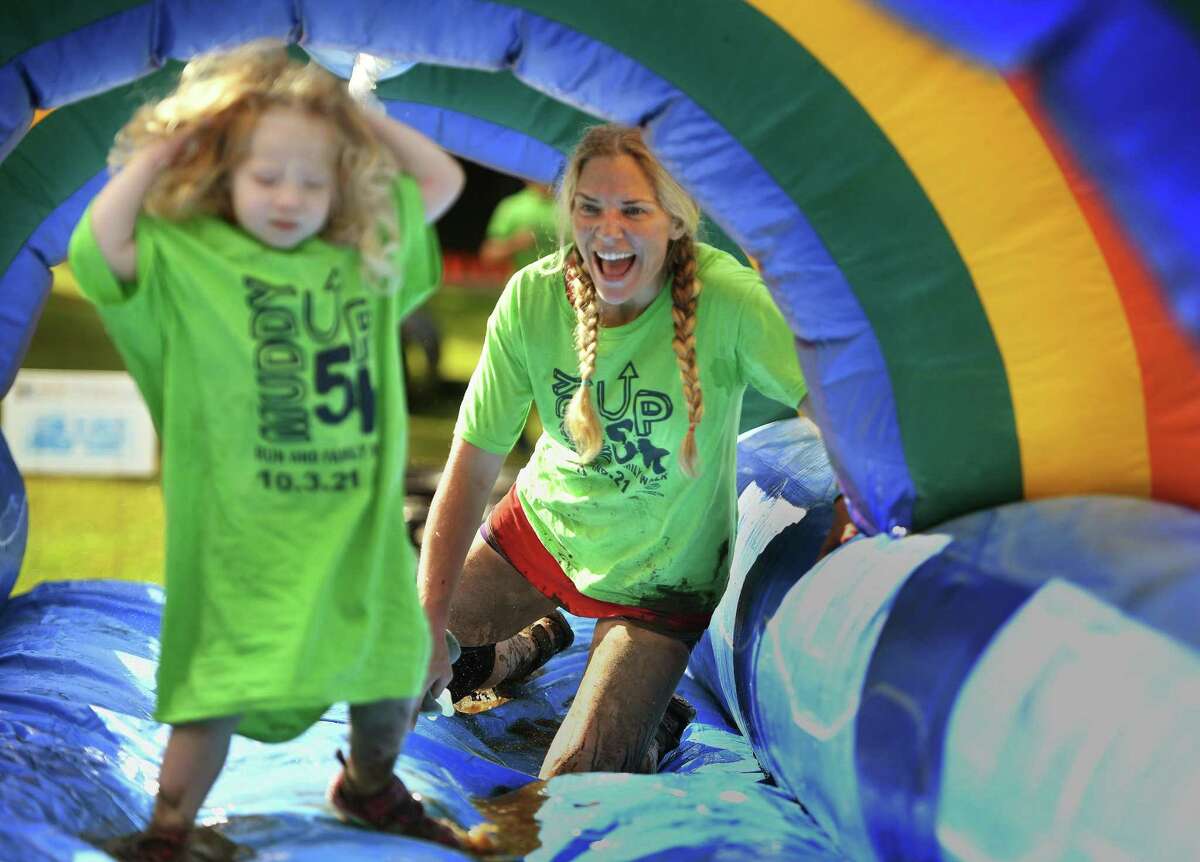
x=964, y=299
x=991, y=272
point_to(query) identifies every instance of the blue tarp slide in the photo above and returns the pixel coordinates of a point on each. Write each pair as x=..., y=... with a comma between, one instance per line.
x=961, y=694
x=79, y=755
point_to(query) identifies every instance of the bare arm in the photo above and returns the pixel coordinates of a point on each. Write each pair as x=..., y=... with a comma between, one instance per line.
x=454, y=518
x=500, y=249
x=438, y=173
x=116, y=207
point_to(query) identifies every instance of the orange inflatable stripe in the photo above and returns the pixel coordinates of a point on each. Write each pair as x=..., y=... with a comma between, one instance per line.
x=1170, y=363
x=1036, y=267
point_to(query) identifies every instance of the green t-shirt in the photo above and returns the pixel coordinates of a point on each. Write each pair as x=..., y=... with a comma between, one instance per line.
x=630, y=527
x=526, y=210
x=275, y=382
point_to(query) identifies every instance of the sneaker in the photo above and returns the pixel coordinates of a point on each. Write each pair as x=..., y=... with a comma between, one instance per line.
x=392, y=809
x=675, y=720
x=553, y=634
x=669, y=732
x=149, y=846
x=516, y=658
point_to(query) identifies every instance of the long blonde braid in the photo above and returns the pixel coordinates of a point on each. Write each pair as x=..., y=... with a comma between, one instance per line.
x=582, y=423
x=685, y=293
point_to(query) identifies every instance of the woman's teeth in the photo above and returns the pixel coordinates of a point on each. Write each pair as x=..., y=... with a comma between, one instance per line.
x=614, y=265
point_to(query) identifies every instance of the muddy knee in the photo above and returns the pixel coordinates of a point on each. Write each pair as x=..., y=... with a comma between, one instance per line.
x=493, y=601
x=596, y=749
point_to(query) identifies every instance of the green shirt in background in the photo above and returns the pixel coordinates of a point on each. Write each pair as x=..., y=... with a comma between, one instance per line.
x=275, y=382
x=630, y=527
x=526, y=210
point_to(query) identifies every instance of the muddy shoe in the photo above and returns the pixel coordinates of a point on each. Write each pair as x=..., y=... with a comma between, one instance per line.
x=511, y=660
x=392, y=809
x=148, y=847
x=678, y=716
x=669, y=732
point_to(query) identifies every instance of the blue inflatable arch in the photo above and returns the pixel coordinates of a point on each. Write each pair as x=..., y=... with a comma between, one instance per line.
x=558, y=69
x=935, y=394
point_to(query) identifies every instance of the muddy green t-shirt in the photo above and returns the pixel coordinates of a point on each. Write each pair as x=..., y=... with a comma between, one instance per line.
x=526, y=210
x=275, y=383
x=631, y=527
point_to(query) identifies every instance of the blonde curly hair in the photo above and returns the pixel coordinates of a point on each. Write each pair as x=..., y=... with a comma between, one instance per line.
x=581, y=421
x=219, y=99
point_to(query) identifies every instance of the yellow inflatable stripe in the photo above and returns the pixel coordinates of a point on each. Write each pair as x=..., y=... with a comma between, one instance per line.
x=1039, y=272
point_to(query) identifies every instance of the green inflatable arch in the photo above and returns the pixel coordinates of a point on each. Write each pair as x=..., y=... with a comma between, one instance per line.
x=906, y=208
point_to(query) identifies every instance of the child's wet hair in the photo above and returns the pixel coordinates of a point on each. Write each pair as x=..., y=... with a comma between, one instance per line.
x=582, y=423
x=219, y=99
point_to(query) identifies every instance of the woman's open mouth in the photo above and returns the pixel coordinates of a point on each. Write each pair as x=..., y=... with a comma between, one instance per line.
x=284, y=226
x=613, y=266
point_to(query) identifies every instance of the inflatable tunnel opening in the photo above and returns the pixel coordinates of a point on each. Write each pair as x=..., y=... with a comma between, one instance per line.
x=996, y=321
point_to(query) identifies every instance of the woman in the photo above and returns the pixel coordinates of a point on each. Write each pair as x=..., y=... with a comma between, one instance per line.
x=636, y=343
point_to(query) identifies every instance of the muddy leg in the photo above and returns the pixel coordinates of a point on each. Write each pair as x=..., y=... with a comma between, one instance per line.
x=630, y=677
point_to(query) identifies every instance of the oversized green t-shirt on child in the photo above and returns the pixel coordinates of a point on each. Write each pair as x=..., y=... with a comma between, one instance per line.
x=275, y=383
x=631, y=527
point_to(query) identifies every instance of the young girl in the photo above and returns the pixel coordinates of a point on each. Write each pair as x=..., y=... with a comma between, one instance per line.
x=636, y=343
x=252, y=258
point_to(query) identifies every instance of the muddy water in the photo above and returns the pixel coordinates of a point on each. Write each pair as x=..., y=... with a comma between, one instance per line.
x=515, y=817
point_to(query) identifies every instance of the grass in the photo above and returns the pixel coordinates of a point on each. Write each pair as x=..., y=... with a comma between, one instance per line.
x=81, y=528
x=92, y=528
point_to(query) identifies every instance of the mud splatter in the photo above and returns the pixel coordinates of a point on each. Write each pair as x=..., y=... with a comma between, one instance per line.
x=515, y=817
x=480, y=701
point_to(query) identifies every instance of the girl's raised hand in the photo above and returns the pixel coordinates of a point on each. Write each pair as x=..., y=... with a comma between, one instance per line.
x=167, y=150
x=115, y=210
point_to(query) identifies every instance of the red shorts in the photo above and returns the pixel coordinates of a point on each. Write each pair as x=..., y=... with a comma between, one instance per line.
x=509, y=533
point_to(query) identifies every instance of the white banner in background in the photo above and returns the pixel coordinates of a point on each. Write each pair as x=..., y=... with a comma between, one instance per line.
x=79, y=423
